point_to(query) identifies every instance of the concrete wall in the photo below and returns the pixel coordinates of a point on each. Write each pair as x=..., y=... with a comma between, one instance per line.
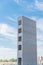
x=29, y=42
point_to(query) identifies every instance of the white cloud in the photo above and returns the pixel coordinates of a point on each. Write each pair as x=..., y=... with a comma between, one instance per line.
x=33, y=18
x=17, y=1
x=11, y=19
x=7, y=53
x=40, y=27
x=40, y=51
x=8, y=31
x=40, y=24
x=40, y=36
x=22, y=3
x=39, y=5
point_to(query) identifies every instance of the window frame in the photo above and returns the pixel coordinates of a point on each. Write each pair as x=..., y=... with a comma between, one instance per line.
x=19, y=61
x=19, y=30
x=19, y=38
x=19, y=47
x=19, y=22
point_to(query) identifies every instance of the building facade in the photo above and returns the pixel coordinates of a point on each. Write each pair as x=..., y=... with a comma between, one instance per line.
x=27, y=45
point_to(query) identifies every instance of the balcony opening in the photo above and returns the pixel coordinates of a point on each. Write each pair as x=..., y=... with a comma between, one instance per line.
x=19, y=47
x=19, y=38
x=19, y=22
x=19, y=61
x=19, y=30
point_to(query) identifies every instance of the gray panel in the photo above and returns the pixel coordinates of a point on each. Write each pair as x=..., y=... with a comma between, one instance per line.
x=29, y=42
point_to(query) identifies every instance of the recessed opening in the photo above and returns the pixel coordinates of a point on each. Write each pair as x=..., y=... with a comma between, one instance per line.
x=19, y=30
x=19, y=38
x=19, y=22
x=19, y=47
x=19, y=61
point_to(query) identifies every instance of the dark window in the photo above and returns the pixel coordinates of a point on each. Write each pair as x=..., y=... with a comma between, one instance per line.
x=19, y=38
x=19, y=61
x=19, y=47
x=19, y=22
x=19, y=30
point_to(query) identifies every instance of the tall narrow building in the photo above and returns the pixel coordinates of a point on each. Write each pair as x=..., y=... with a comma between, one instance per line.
x=27, y=42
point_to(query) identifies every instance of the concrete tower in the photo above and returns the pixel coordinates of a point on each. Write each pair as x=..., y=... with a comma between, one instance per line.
x=27, y=43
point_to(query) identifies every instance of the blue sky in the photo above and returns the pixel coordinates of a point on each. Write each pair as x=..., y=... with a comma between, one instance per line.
x=9, y=11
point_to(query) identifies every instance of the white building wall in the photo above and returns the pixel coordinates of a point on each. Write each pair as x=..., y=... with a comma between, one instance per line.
x=29, y=44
